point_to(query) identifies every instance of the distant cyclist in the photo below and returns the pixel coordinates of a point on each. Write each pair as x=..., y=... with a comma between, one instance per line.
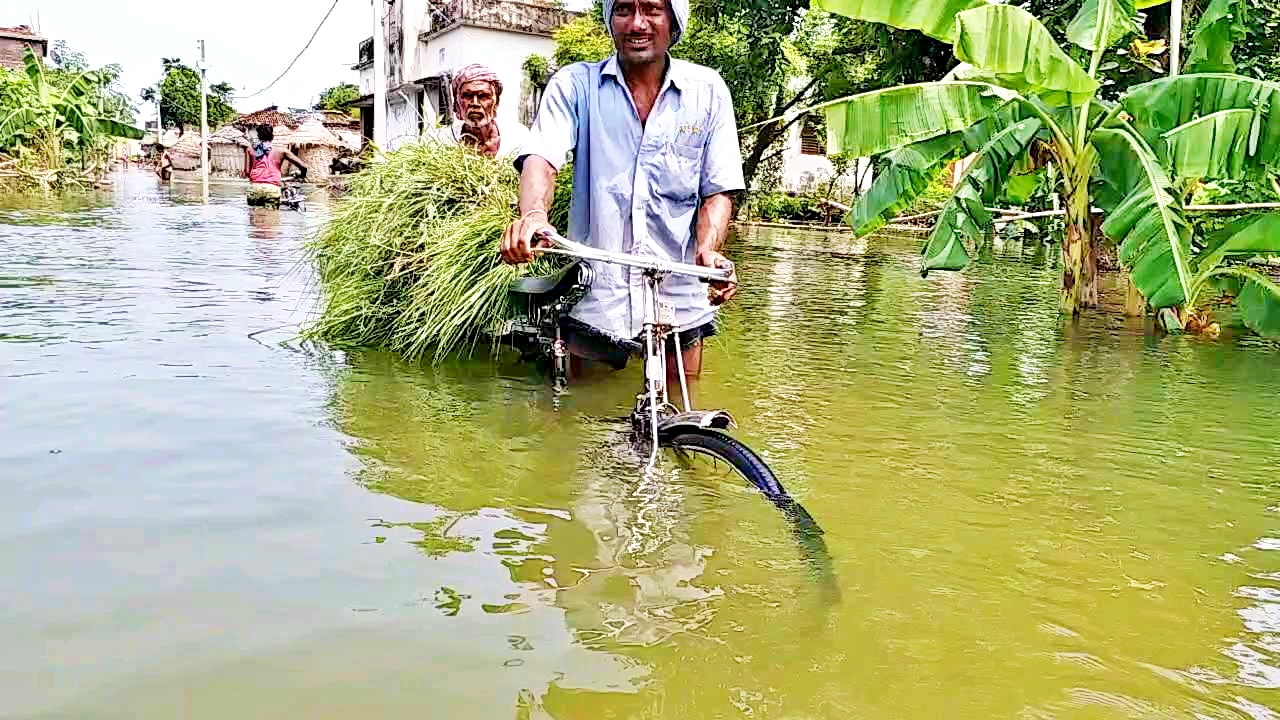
x=264, y=168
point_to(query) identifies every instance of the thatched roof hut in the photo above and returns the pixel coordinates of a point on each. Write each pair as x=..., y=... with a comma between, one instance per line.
x=316, y=146
x=185, y=152
x=226, y=151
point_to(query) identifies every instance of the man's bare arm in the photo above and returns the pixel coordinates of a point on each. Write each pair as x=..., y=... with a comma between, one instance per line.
x=713, y=222
x=537, y=188
x=288, y=155
x=537, y=185
x=713, y=225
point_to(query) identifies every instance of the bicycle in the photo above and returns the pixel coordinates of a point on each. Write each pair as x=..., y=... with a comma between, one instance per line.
x=291, y=197
x=655, y=421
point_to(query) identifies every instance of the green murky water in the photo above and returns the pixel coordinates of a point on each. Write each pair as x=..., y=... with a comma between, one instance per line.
x=1022, y=519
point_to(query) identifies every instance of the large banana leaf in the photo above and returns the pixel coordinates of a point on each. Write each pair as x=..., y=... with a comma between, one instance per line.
x=15, y=125
x=1259, y=303
x=873, y=123
x=900, y=182
x=908, y=169
x=935, y=18
x=119, y=129
x=1162, y=105
x=965, y=216
x=1102, y=23
x=1244, y=238
x=1010, y=45
x=1257, y=297
x=1214, y=146
x=1220, y=27
x=1143, y=215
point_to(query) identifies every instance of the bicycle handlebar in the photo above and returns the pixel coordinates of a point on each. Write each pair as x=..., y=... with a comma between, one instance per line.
x=561, y=245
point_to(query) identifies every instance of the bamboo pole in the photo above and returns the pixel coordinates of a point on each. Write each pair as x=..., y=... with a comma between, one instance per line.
x=1232, y=208
x=1012, y=215
x=1175, y=37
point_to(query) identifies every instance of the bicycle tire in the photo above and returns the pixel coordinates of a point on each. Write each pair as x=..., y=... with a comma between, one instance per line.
x=734, y=453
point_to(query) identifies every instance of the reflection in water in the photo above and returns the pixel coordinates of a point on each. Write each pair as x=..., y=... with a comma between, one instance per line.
x=628, y=557
x=1024, y=517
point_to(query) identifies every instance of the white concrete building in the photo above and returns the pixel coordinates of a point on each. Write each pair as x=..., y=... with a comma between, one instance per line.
x=427, y=41
x=805, y=164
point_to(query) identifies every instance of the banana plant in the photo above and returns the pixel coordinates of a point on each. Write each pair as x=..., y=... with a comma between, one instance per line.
x=1017, y=97
x=57, y=119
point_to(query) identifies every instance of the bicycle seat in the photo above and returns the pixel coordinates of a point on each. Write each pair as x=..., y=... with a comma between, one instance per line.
x=549, y=286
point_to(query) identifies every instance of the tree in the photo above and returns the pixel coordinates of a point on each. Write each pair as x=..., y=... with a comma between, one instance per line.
x=338, y=97
x=180, y=98
x=51, y=120
x=66, y=58
x=1135, y=159
x=583, y=39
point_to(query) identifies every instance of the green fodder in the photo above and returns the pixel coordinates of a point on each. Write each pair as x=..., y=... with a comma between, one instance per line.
x=409, y=260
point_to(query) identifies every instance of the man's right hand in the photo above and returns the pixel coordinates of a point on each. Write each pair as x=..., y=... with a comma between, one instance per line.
x=522, y=236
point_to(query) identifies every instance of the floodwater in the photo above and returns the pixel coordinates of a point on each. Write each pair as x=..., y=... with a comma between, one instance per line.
x=1023, y=518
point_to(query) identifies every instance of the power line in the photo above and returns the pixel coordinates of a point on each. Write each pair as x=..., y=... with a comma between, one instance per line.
x=295, y=57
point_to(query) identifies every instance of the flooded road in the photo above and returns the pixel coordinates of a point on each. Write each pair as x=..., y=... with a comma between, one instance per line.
x=1024, y=518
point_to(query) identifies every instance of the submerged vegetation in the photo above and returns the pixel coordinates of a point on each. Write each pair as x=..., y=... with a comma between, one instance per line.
x=57, y=124
x=409, y=261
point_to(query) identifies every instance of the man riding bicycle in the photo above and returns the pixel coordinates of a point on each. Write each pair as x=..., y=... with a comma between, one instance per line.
x=655, y=161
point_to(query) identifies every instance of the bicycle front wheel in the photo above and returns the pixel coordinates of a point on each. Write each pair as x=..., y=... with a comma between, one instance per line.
x=727, y=453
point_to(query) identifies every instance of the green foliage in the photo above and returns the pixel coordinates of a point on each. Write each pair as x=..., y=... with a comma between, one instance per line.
x=54, y=123
x=338, y=97
x=583, y=39
x=1257, y=54
x=1172, y=133
x=964, y=215
x=1010, y=46
x=782, y=207
x=537, y=70
x=180, y=98
x=932, y=17
x=1221, y=25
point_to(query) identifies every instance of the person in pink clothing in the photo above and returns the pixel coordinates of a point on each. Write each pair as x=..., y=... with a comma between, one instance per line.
x=263, y=163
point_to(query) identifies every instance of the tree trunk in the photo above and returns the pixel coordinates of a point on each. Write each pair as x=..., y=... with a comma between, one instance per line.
x=765, y=137
x=1079, y=259
x=1079, y=251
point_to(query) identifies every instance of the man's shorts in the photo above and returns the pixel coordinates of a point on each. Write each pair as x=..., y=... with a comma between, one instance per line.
x=588, y=342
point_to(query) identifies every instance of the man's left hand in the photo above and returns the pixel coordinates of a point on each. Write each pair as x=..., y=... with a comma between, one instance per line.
x=721, y=292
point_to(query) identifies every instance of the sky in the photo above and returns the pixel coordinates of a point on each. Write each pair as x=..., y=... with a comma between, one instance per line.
x=248, y=42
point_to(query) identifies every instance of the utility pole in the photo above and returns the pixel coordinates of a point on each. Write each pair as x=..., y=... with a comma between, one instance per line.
x=379, y=77
x=1175, y=36
x=204, y=126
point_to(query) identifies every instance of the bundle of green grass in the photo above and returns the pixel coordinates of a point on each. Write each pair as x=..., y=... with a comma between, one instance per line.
x=409, y=260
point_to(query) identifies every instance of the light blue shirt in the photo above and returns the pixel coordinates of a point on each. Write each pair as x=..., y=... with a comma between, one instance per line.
x=637, y=189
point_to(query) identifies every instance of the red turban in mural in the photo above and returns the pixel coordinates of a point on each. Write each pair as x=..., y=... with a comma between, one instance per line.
x=473, y=73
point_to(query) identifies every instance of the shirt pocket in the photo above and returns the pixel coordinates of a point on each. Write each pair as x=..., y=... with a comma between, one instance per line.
x=679, y=172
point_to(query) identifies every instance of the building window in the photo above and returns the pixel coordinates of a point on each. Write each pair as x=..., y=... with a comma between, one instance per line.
x=442, y=101
x=809, y=143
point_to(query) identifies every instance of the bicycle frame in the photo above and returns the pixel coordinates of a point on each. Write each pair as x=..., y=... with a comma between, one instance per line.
x=653, y=404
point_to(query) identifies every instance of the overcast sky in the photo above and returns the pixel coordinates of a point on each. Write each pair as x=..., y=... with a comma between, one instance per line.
x=248, y=42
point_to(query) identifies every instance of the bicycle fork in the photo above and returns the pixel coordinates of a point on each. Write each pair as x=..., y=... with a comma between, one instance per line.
x=655, y=364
